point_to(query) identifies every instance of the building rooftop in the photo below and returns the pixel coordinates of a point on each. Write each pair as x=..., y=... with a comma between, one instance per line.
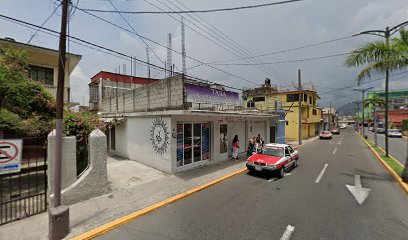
x=116, y=77
x=42, y=55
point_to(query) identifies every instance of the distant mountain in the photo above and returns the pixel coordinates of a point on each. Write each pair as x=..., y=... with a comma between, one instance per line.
x=349, y=109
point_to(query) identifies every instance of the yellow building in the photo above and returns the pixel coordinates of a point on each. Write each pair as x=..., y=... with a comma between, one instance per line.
x=269, y=98
x=43, y=65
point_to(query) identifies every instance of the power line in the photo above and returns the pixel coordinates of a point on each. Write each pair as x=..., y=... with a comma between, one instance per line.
x=287, y=50
x=159, y=44
x=226, y=38
x=231, y=49
x=197, y=11
x=352, y=86
x=45, y=22
x=96, y=46
x=134, y=30
x=281, y=62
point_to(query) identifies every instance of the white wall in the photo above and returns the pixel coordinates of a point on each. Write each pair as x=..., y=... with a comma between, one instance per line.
x=237, y=128
x=121, y=134
x=138, y=143
x=260, y=127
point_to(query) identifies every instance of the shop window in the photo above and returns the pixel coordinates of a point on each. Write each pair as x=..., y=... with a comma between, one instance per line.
x=42, y=74
x=193, y=143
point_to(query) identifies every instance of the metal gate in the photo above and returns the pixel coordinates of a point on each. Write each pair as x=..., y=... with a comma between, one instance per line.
x=24, y=194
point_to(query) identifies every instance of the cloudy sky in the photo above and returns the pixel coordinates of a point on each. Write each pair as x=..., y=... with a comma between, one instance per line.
x=231, y=35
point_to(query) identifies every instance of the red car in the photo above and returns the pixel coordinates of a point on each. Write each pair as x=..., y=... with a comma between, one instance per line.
x=325, y=135
x=274, y=158
x=335, y=131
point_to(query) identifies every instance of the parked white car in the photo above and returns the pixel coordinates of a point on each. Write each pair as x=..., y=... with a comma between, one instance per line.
x=394, y=133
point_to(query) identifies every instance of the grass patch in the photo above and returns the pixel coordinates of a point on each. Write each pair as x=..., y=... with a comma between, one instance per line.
x=390, y=162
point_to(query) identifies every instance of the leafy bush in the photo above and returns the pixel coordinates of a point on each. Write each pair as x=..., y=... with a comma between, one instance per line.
x=81, y=125
x=8, y=121
x=26, y=107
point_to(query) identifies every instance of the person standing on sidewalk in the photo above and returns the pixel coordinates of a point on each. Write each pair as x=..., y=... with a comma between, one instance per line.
x=235, y=147
x=251, y=147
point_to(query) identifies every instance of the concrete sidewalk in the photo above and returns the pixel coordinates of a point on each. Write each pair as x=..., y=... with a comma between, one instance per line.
x=134, y=187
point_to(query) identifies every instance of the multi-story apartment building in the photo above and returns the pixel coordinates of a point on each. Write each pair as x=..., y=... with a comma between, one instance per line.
x=43, y=65
x=397, y=99
x=268, y=97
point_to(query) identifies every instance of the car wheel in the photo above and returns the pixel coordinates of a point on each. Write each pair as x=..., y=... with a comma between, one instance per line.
x=282, y=172
x=295, y=164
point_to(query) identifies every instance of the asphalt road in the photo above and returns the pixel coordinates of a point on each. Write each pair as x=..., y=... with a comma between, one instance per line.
x=261, y=206
x=397, y=146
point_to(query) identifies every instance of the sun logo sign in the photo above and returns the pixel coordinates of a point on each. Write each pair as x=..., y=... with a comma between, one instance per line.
x=159, y=136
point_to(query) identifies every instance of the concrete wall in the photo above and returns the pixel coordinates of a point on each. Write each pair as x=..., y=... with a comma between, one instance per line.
x=69, y=170
x=134, y=141
x=93, y=182
x=165, y=94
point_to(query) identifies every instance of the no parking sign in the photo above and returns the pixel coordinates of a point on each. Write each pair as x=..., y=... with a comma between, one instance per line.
x=10, y=155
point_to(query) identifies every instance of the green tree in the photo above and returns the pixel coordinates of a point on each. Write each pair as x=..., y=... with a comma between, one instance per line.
x=375, y=102
x=377, y=56
x=21, y=99
x=381, y=57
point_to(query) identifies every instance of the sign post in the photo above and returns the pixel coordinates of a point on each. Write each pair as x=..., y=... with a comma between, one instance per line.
x=10, y=155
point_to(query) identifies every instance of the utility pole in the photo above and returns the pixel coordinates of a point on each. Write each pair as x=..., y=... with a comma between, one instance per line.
x=363, y=95
x=300, y=106
x=58, y=214
x=387, y=33
x=330, y=117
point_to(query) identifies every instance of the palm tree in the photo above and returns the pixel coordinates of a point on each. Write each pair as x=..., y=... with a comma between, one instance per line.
x=375, y=102
x=382, y=57
x=378, y=55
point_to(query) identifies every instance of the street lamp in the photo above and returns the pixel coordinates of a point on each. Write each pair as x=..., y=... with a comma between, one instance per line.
x=363, y=92
x=385, y=34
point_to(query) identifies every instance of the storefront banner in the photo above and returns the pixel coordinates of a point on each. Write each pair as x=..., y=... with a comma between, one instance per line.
x=199, y=94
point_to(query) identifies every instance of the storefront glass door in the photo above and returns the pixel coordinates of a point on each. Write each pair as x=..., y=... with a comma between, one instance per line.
x=193, y=143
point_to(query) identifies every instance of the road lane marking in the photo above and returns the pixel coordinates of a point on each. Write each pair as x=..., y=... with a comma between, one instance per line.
x=288, y=232
x=339, y=142
x=358, y=192
x=335, y=150
x=321, y=173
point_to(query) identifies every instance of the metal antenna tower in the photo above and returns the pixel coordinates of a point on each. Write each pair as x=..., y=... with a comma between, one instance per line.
x=169, y=56
x=148, y=61
x=183, y=46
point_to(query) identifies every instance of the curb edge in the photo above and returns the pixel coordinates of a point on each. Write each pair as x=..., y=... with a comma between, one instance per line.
x=403, y=185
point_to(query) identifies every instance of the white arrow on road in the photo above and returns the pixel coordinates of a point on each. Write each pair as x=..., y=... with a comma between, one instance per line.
x=358, y=192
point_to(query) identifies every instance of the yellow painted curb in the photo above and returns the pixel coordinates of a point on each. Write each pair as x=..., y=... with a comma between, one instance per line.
x=392, y=157
x=403, y=185
x=125, y=219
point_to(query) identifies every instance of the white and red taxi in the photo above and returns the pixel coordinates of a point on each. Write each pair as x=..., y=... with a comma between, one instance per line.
x=276, y=158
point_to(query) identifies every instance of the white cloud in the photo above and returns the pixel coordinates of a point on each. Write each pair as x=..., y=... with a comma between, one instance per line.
x=79, y=86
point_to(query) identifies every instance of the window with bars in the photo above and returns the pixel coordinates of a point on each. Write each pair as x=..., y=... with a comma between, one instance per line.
x=42, y=74
x=94, y=93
